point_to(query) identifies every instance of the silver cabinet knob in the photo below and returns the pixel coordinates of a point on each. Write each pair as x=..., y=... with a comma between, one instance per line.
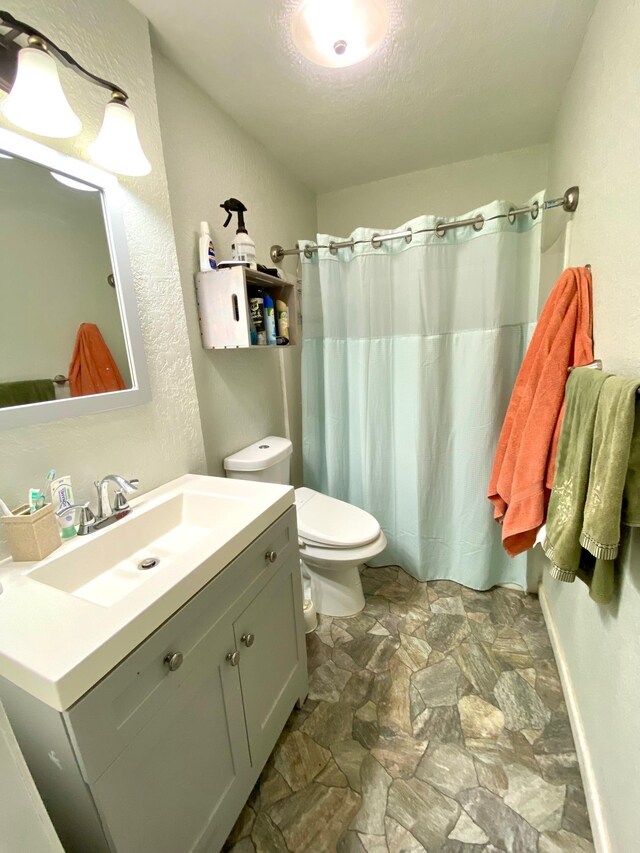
x=173, y=661
x=233, y=658
x=247, y=639
x=271, y=556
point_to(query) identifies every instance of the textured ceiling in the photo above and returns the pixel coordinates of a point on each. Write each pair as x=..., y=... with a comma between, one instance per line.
x=454, y=79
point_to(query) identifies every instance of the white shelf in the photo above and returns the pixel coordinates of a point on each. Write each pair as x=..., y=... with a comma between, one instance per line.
x=223, y=307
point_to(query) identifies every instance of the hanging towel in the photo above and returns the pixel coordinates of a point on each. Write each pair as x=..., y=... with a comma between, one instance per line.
x=524, y=464
x=566, y=506
x=614, y=430
x=25, y=392
x=93, y=369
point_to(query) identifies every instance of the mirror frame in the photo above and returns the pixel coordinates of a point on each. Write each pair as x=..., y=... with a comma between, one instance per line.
x=110, y=192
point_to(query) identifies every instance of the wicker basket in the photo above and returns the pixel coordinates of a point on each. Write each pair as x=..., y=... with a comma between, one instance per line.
x=31, y=536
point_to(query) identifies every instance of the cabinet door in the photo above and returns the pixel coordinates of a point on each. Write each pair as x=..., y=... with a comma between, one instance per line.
x=181, y=782
x=270, y=637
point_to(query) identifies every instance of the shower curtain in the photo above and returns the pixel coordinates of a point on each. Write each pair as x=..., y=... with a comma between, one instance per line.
x=410, y=352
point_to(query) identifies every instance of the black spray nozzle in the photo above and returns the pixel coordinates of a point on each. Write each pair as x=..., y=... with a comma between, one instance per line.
x=234, y=205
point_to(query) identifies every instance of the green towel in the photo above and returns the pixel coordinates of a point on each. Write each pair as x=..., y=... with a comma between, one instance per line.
x=571, y=479
x=631, y=496
x=28, y=391
x=608, y=479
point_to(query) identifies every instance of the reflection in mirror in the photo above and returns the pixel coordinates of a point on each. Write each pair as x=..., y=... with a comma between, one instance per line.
x=61, y=328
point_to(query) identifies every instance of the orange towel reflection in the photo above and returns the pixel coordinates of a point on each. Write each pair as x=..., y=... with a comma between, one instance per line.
x=93, y=369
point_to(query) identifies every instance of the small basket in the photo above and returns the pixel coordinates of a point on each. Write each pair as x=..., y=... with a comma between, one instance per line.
x=31, y=536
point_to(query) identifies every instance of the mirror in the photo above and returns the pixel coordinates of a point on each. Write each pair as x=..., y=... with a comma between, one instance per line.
x=70, y=340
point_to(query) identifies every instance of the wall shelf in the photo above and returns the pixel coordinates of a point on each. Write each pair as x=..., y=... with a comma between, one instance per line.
x=223, y=306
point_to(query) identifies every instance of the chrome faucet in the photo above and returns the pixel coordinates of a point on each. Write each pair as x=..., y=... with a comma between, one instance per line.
x=120, y=508
x=107, y=514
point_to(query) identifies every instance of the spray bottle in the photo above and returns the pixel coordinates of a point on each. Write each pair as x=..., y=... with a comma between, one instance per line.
x=244, y=249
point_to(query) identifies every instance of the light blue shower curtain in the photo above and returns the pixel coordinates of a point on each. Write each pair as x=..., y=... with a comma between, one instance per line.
x=410, y=352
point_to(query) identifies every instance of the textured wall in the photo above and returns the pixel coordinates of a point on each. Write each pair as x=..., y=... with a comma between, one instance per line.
x=162, y=439
x=445, y=190
x=596, y=146
x=209, y=159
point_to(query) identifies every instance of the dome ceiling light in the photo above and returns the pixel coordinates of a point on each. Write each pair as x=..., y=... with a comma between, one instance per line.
x=338, y=33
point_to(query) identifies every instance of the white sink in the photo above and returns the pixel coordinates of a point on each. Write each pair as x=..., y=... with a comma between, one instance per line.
x=68, y=620
x=108, y=567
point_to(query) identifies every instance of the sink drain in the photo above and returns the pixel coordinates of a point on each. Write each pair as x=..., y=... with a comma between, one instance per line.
x=148, y=563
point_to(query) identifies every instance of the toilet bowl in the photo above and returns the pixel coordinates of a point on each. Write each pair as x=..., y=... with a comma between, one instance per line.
x=335, y=537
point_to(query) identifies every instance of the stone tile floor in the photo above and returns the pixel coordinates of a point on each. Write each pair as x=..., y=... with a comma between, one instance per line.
x=435, y=722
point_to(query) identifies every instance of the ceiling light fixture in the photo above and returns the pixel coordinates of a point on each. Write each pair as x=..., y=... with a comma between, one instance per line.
x=337, y=33
x=37, y=103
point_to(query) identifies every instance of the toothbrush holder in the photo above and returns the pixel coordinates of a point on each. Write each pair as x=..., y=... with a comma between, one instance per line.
x=31, y=536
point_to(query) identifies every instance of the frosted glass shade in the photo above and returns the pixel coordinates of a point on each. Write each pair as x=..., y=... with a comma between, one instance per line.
x=117, y=146
x=336, y=33
x=36, y=102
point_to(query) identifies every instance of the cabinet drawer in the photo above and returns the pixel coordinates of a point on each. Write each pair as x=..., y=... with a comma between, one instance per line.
x=106, y=719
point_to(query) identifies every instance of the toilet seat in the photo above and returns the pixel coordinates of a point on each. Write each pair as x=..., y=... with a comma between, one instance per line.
x=329, y=523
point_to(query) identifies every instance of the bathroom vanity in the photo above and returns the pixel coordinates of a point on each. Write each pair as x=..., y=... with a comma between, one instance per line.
x=148, y=714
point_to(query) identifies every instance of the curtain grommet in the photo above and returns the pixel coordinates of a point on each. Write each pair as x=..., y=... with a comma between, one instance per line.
x=332, y=248
x=376, y=242
x=478, y=224
x=308, y=252
x=408, y=237
x=511, y=216
x=440, y=230
x=535, y=210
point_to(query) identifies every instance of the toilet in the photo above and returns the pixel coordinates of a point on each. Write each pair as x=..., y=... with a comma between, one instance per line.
x=335, y=537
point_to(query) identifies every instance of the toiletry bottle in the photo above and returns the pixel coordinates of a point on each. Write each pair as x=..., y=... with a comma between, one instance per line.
x=61, y=498
x=243, y=247
x=256, y=311
x=269, y=320
x=282, y=322
x=206, y=252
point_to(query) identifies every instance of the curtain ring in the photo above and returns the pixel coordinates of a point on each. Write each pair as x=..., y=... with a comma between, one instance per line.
x=478, y=224
x=535, y=210
x=308, y=252
x=375, y=242
x=409, y=237
x=440, y=230
x=511, y=216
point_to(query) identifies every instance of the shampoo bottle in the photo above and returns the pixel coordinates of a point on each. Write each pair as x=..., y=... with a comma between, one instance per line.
x=206, y=252
x=269, y=320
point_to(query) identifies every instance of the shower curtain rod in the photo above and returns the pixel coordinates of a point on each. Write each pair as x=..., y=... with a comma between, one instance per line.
x=568, y=202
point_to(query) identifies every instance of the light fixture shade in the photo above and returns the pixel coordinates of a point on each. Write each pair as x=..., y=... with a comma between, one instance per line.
x=117, y=146
x=36, y=102
x=337, y=33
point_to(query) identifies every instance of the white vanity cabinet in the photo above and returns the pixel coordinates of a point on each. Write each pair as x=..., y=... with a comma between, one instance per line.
x=161, y=755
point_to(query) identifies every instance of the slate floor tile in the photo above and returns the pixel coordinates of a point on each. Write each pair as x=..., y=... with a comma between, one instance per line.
x=435, y=722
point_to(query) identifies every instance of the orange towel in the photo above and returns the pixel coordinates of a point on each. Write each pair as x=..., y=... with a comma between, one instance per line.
x=93, y=369
x=524, y=465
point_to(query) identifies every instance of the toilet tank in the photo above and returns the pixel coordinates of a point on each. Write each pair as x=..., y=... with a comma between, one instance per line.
x=267, y=460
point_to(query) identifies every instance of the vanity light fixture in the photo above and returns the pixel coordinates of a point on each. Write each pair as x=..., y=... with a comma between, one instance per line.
x=337, y=33
x=37, y=103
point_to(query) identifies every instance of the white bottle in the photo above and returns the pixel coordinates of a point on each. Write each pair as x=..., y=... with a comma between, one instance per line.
x=244, y=249
x=206, y=251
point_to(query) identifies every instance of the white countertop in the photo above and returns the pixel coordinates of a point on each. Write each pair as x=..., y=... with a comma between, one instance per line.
x=57, y=645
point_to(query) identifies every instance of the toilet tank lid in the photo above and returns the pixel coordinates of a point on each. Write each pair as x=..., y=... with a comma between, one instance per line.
x=260, y=455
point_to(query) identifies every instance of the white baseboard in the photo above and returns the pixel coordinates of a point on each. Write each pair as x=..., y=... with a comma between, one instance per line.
x=594, y=803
